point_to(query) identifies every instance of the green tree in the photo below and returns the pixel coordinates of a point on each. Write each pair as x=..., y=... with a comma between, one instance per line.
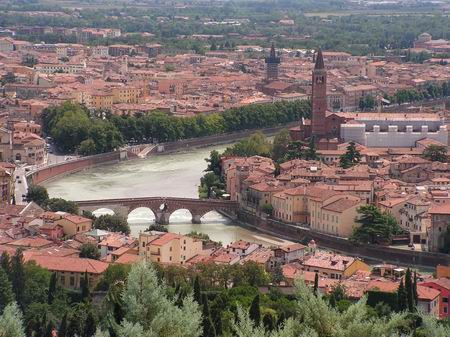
x=90, y=325
x=147, y=307
x=255, y=145
x=5, y=263
x=11, y=322
x=29, y=60
x=89, y=251
x=197, y=290
x=267, y=208
x=415, y=294
x=6, y=292
x=9, y=77
x=52, y=288
x=374, y=225
x=62, y=205
x=311, y=153
x=280, y=143
x=268, y=322
x=112, y=223
x=351, y=157
x=37, y=194
x=435, y=153
x=115, y=273
x=87, y=148
x=62, y=329
x=208, y=326
x=18, y=276
x=402, y=297
x=214, y=163
x=210, y=184
x=49, y=329
x=157, y=227
x=366, y=103
x=409, y=291
x=255, y=311
x=85, y=288
x=316, y=283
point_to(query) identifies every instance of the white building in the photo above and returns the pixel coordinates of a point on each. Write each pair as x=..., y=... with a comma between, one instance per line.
x=393, y=129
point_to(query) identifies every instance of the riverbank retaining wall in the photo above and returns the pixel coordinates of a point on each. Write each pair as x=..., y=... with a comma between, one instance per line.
x=370, y=252
x=49, y=172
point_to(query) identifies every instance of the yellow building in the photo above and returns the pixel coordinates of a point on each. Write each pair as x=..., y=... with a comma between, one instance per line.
x=338, y=217
x=291, y=205
x=168, y=247
x=333, y=212
x=126, y=94
x=74, y=224
x=101, y=100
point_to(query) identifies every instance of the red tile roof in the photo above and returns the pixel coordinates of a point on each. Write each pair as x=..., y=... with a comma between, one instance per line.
x=70, y=264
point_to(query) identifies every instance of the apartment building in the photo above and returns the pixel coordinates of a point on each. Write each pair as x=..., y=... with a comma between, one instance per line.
x=168, y=247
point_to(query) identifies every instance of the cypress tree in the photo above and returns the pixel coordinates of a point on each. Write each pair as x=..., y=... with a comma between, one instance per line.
x=18, y=276
x=281, y=319
x=208, y=326
x=416, y=296
x=62, y=330
x=73, y=327
x=90, y=325
x=5, y=263
x=255, y=311
x=333, y=300
x=49, y=329
x=6, y=292
x=217, y=320
x=85, y=291
x=409, y=290
x=268, y=322
x=197, y=291
x=316, y=283
x=401, y=296
x=52, y=289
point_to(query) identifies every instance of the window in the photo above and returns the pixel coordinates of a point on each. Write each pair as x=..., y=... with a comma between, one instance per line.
x=63, y=280
x=445, y=299
x=72, y=281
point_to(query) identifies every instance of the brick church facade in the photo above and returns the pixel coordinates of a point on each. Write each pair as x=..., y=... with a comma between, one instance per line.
x=324, y=126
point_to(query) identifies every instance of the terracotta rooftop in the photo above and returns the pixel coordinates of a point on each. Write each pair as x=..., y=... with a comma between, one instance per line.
x=70, y=264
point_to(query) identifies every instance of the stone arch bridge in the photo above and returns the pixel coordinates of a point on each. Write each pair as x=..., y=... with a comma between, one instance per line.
x=162, y=207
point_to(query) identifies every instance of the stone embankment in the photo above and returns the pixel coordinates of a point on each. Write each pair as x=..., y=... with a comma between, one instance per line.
x=370, y=252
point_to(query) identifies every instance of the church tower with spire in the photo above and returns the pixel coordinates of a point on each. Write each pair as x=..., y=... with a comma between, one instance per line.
x=272, y=63
x=319, y=98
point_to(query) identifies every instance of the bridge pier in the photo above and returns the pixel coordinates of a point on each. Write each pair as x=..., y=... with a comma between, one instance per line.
x=196, y=219
x=162, y=218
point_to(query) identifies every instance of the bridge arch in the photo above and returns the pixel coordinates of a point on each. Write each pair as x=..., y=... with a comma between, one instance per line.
x=103, y=211
x=141, y=215
x=180, y=215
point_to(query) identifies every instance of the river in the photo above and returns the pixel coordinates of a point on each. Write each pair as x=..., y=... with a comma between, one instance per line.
x=171, y=175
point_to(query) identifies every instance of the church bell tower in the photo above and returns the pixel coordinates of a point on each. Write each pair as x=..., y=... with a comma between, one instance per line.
x=319, y=98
